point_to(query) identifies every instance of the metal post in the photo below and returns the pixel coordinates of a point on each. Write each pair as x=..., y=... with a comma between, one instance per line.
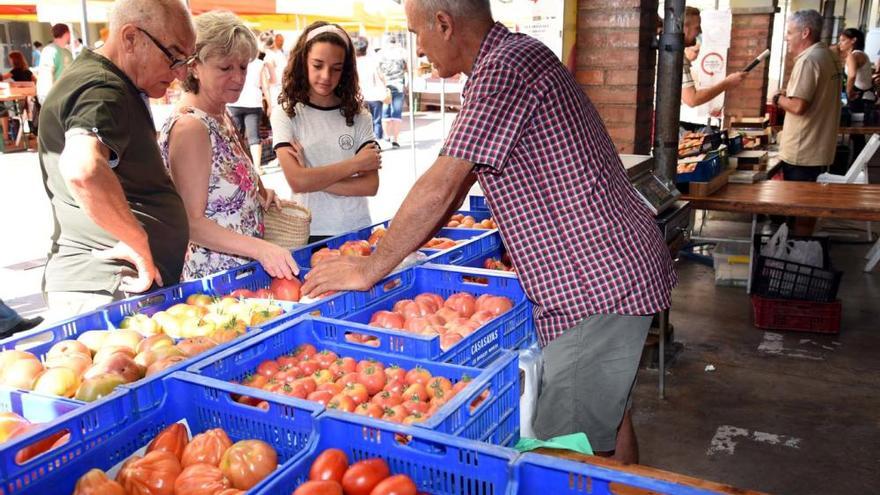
x=828, y=21
x=412, y=110
x=443, y=106
x=661, y=359
x=85, y=23
x=668, y=103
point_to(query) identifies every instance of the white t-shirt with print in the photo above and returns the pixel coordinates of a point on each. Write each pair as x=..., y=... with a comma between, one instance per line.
x=326, y=140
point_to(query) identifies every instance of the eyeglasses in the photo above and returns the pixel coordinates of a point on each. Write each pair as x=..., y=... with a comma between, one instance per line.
x=176, y=63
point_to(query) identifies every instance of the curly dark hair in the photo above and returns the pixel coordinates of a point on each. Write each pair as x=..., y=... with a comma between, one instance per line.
x=295, y=83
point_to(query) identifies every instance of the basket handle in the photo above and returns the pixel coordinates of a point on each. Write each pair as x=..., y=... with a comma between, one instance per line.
x=296, y=206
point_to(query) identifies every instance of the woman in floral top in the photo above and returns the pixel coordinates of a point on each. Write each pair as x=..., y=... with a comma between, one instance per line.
x=221, y=190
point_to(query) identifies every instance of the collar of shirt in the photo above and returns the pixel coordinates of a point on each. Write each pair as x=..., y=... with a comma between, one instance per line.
x=809, y=49
x=493, y=39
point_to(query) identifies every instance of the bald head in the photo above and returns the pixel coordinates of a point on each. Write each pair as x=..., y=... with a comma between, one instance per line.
x=153, y=15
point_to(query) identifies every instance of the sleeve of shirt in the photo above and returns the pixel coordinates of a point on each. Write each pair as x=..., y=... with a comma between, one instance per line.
x=98, y=111
x=282, y=128
x=498, y=108
x=805, y=79
x=687, y=79
x=363, y=131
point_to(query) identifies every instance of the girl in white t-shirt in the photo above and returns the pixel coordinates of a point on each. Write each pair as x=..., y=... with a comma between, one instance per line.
x=323, y=135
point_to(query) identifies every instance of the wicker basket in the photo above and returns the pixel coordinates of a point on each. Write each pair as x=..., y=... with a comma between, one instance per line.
x=289, y=226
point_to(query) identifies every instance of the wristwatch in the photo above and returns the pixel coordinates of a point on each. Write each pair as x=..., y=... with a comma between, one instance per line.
x=776, y=99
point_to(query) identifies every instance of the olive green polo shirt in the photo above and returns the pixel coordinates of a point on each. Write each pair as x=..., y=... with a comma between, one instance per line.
x=96, y=97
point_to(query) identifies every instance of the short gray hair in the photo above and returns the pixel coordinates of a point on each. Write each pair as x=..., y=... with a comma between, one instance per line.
x=458, y=9
x=222, y=33
x=809, y=19
x=147, y=13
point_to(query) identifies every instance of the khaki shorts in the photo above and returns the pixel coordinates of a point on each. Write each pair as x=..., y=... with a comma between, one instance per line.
x=588, y=378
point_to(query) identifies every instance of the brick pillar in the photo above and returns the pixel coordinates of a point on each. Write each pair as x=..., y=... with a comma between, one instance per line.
x=751, y=34
x=616, y=67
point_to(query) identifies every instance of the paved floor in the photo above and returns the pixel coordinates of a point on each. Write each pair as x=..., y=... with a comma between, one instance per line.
x=782, y=412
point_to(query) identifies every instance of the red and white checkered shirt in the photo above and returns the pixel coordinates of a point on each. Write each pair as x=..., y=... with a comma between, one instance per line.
x=581, y=239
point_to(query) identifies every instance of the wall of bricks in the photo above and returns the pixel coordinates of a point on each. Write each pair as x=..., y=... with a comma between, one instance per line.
x=750, y=35
x=615, y=65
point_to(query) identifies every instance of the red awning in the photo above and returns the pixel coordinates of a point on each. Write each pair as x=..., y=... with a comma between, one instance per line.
x=18, y=10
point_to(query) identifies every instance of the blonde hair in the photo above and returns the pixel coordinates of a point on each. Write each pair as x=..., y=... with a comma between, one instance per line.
x=220, y=33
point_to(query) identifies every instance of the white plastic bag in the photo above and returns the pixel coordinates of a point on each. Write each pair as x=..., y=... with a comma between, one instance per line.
x=803, y=252
x=531, y=366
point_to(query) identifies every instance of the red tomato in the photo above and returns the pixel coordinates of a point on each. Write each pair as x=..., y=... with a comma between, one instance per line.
x=415, y=407
x=329, y=465
x=357, y=392
x=333, y=388
x=268, y=368
x=308, y=367
x=369, y=409
x=399, y=305
x=322, y=376
x=343, y=366
x=323, y=254
x=394, y=386
x=432, y=299
x=298, y=390
x=341, y=402
x=495, y=305
x=363, y=476
x=242, y=293
x=319, y=488
x=325, y=359
x=287, y=360
x=348, y=378
x=286, y=290
x=415, y=309
x=439, y=387
x=395, y=485
x=461, y=384
x=355, y=248
x=415, y=392
x=481, y=317
x=305, y=351
x=255, y=381
x=373, y=379
x=418, y=375
x=363, y=363
x=308, y=384
x=395, y=373
x=415, y=417
x=321, y=396
x=387, y=399
x=395, y=414
x=387, y=319
x=248, y=462
x=462, y=303
x=449, y=339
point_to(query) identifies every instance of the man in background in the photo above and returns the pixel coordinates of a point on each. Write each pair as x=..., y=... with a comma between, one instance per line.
x=54, y=58
x=35, y=54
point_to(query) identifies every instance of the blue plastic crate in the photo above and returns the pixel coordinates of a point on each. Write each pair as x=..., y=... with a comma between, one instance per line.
x=472, y=253
x=111, y=437
x=706, y=170
x=39, y=340
x=478, y=203
x=303, y=255
x=511, y=330
x=495, y=420
x=536, y=473
x=438, y=464
x=35, y=408
x=735, y=144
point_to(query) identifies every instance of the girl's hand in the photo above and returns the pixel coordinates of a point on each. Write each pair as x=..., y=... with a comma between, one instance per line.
x=299, y=153
x=368, y=159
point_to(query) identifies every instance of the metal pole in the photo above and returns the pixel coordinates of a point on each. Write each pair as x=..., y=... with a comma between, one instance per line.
x=443, y=105
x=85, y=23
x=668, y=103
x=661, y=358
x=412, y=102
x=828, y=23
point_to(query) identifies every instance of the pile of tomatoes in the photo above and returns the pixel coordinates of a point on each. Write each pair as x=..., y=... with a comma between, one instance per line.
x=331, y=474
x=504, y=264
x=365, y=387
x=452, y=319
x=440, y=243
x=348, y=248
x=280, y=289
x=468, y=222
x=209, y=464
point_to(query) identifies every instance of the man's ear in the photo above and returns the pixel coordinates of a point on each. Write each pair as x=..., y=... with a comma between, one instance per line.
x=128, y=34
x=445, y=23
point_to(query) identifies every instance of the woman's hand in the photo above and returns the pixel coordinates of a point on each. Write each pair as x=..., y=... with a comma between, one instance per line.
x=276, y=260
x=369, y=158
x=270, y=200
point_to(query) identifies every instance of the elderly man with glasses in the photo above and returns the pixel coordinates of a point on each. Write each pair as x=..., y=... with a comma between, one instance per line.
x=120, y=225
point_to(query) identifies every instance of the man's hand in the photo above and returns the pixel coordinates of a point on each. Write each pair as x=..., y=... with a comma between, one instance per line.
x=342, y=273
x=735, y=79
x=143, y=263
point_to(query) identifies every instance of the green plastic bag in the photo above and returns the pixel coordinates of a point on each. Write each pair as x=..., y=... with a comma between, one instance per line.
x=576, y=442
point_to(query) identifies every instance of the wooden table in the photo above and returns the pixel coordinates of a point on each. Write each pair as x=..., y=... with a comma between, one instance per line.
x=644, y=471
x=799, y=199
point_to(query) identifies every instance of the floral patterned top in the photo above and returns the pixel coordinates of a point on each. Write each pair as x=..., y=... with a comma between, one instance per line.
x=233, y=192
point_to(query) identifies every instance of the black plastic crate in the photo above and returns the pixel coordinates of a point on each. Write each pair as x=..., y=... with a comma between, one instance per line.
x=780, y=279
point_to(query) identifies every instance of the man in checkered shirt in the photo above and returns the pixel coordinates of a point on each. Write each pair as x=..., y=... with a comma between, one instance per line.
x=586, y=249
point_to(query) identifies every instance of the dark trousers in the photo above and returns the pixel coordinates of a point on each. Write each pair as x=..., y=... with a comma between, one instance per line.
x=801, y=173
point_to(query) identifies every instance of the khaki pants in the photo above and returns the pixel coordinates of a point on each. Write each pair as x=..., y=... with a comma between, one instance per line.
x=65, y=305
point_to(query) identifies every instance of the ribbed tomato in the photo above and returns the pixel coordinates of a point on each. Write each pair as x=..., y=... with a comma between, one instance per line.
x=207, y=447
x=248, y=462
x=201, y=479
x=173, y=439
x=96, y=482
x=152, y=474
